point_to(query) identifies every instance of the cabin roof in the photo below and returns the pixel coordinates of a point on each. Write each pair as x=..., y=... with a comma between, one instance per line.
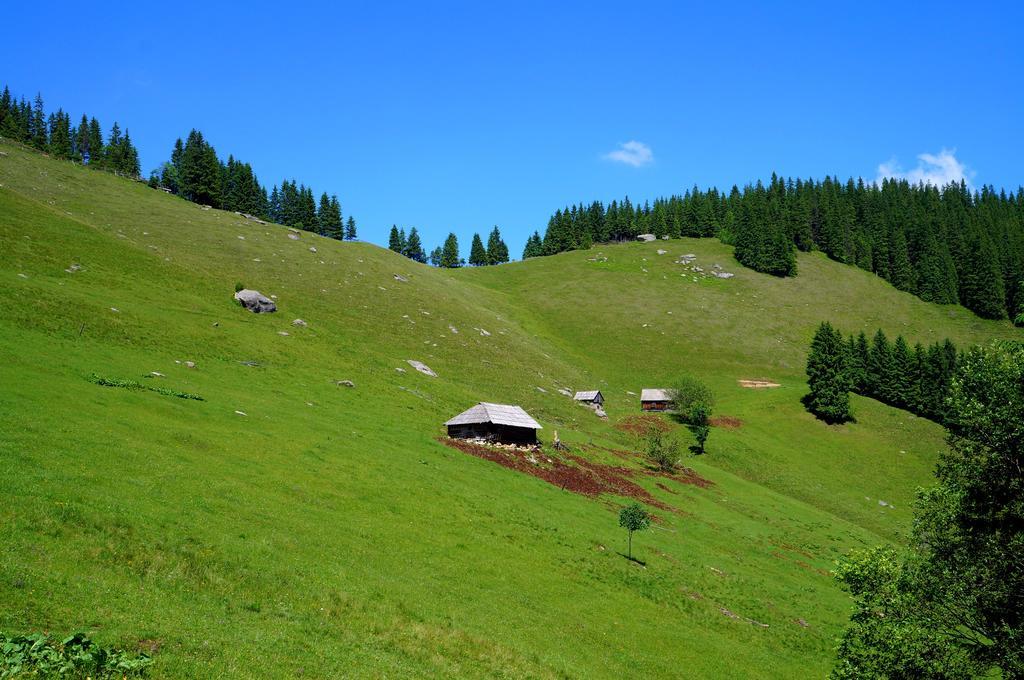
x=655, y=394
x=587, y=395
x=497, y=414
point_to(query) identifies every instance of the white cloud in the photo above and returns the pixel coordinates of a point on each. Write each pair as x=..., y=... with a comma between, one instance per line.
x=631, y=153
x=938, y=169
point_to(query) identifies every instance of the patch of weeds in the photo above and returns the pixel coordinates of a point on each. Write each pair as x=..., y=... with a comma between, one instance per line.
x=74, y=656
x=136, y=385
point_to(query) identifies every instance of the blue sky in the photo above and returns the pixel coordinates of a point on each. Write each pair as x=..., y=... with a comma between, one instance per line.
x=460, y=116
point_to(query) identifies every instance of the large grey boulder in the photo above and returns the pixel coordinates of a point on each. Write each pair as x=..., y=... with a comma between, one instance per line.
x=255, y=301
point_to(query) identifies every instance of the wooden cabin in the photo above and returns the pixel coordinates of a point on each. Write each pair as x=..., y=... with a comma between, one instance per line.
x=592, y=398
x=655, y=399
x=494, y=422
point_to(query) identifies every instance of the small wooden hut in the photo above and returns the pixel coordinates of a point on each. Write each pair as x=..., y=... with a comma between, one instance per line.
x=655, y=399
x=494, y=422
x=592, y=398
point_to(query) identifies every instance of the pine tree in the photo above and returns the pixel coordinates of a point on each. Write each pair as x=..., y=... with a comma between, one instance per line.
x=95, y=144
x=350, y=229
x=37, y=124
x=879, y=367
x=60, y=135
x=414, y=248
x=324, y=220
x=829, y=398
x=129, y=158
x=450, y=253
x=497, y=251
x=477, y=253
x=396, y=240
x=534, y=246
x=900, y=392
x=435, y=257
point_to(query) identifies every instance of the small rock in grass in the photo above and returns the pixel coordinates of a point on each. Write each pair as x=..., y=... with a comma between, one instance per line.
x=294, y=237
x=299, y=322
x=241, y=413
x=283, y=333
x=344, y=383
x=190, y=364
x=399, y=277
x=156, y=374
x=73, y=268
x=421, y=367
x=312, y=249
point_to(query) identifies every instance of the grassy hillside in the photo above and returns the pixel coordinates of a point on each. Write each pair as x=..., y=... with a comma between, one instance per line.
x=327, y=532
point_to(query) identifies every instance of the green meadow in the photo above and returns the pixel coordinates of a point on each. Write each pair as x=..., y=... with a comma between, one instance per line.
x=286, y=525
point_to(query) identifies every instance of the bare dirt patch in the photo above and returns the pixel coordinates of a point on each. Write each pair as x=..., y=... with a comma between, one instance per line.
x=726, y=422
x=643, y=425
x=574, y=473
x=758, y=384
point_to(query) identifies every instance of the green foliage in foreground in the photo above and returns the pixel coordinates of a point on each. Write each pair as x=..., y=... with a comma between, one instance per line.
x=76, y=656
x=136, y=385
x=952, y=606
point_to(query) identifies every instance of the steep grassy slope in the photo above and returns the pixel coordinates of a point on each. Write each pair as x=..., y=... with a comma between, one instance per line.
x=327, y=531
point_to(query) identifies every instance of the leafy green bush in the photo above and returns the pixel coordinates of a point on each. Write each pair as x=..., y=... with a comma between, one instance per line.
x=136, y=385
x=239, y=286
x=76, y=656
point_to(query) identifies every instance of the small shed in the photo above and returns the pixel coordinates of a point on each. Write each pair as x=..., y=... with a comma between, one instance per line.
x=590, y=398
x=655, y=399
x=495, y=422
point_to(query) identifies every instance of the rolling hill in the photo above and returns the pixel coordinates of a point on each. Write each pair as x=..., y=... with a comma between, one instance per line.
x=287, y=524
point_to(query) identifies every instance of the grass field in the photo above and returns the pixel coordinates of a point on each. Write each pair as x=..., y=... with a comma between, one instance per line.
x=327, y=532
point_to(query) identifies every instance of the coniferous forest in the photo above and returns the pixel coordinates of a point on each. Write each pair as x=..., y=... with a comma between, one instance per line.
x=194, y=171
x=917, y=379
x=946, y=245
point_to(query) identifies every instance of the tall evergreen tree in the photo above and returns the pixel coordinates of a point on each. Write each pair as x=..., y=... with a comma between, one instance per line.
x=450, y=253
x=827, y=376
x=396, y=240
x=350, y=229
x=477, y=253
x=414, y=248
x=497, y=251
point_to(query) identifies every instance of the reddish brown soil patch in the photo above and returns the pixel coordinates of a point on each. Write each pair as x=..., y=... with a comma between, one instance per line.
x=584, y=477
x=726, y=422
x=665, y=488
x=684, y=476
x=642, y=425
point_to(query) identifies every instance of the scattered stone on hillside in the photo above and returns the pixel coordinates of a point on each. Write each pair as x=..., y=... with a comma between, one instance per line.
x=344, y=383
x=400, y=369
x=802, y=623
x=73, y=268
x=599, y=412
x=285, y=333
x=241, y=413
x=23, y=276
x=453, y=329
x=541, y=389
x=255, y=301
x=299, y=322
x=632, y=394
x=565, y=391
x=256, y=259
x=723, y=275
x=205, y=207
x=293, y=236
x=312, y=249
x=698, y=269
x=156, y=374
x=190, y=364
x=716, y=266
x=115, y=310
x=241, y=238
x=665, y=237
x=482, y=331
x=883, y=504
x=661, y=252
x=249, y=363
x=421, y=367
x=399, y=277
x=646, y=237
